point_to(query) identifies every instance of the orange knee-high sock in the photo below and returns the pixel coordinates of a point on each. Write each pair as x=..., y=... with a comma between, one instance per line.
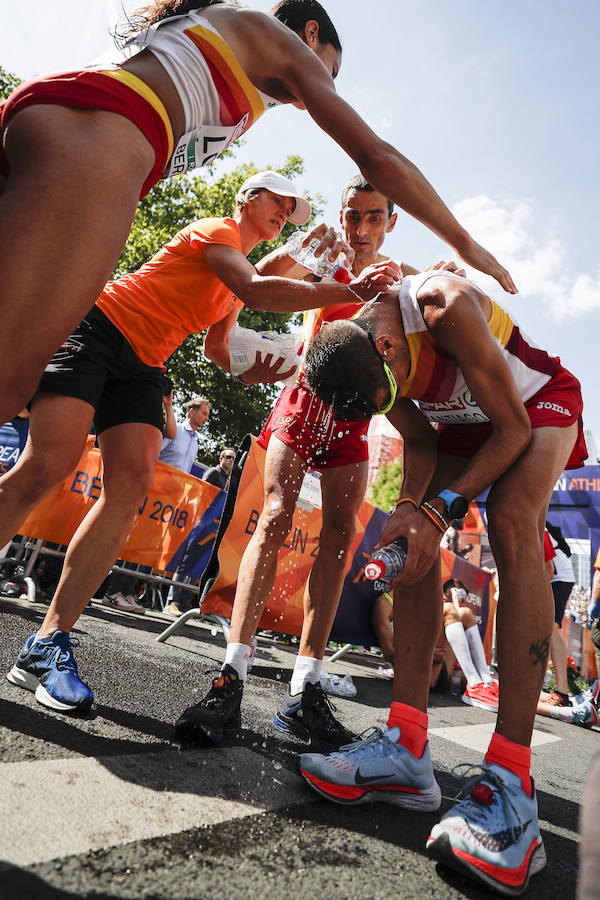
x=514, y=757
x=413, y=727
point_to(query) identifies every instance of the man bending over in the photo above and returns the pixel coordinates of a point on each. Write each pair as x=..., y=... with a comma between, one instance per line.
x=509, y=418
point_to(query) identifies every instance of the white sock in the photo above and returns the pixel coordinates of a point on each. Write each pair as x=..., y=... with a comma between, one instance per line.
x=478, y=654
x=306, y=669
x=460, y=646
x=237, y=656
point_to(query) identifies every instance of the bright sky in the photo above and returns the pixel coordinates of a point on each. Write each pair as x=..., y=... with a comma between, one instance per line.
x=497, y=102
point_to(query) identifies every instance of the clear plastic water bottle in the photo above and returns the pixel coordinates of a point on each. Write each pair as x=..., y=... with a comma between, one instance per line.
x=387, y=563
x=321, y=266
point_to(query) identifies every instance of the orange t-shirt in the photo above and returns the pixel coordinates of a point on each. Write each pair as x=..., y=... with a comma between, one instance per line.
x=174, y=294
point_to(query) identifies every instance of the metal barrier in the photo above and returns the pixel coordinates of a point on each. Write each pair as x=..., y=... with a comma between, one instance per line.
x=30, y=549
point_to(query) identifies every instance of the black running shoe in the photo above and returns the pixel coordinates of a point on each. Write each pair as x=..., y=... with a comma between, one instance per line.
x=217, y=713
x=309, y=716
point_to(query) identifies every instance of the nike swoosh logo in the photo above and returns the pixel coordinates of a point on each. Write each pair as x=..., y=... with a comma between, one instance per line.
x=501, y=840
x=367, y=779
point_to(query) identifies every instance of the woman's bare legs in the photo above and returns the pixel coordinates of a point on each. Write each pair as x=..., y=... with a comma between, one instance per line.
x=129, y=453
x=75, y=179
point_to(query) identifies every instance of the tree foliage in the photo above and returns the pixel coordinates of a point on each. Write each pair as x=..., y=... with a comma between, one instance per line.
x=171, y=205
x=385, y=490
x=8, y=83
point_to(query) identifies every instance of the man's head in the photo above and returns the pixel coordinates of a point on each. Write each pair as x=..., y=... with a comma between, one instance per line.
x=366, y=217
x=349, y=363
x=198, y=411
x=226, y=459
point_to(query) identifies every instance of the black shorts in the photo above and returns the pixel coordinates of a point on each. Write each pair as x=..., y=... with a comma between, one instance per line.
x=97, y=364
x=561, y=590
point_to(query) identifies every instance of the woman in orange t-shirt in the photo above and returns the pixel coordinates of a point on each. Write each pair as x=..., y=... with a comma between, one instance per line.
x=109, y=372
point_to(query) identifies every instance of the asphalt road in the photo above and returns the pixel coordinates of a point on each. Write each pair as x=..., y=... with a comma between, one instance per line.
x=104, y=806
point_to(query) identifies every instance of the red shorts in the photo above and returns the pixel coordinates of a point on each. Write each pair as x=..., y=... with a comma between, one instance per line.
x=557, y=405
x=308, y=427
x=93, y=89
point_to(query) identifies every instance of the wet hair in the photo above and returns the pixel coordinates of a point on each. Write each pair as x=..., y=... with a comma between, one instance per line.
x=344, y=370
x=296, y=13
x=559, y=537
x=360, y=183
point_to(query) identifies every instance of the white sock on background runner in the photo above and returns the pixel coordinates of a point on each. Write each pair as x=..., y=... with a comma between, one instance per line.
x=478, y=654
x=237, y=656
x=460, y=647
x=306, y=669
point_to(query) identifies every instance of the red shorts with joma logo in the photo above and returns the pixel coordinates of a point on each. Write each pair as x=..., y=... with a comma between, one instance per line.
x=557, y=405
x=308, y=427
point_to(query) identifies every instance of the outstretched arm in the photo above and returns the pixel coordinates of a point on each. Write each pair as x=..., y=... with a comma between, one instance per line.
x=276, y=294
x=305, y=77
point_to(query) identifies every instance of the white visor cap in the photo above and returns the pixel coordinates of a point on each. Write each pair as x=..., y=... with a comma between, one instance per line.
x=279, y=184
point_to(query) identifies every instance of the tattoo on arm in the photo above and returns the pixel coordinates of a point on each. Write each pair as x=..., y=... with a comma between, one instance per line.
x=540, y=652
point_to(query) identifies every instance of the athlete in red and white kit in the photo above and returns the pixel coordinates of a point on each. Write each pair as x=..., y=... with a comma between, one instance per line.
x=302, y=433
x=509, y=418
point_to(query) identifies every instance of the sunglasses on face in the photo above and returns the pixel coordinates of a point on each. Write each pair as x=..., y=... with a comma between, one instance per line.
x=390, y=377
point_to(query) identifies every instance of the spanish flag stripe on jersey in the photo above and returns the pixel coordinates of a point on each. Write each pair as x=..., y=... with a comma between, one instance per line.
x=237, y=93
x=141, y=88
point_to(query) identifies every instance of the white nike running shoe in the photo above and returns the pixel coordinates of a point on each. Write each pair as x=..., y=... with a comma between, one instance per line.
x=374, y=768
x=492, y=835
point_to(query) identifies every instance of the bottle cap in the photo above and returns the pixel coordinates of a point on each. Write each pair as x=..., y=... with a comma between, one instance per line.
x=342, y=275
x=375, y=569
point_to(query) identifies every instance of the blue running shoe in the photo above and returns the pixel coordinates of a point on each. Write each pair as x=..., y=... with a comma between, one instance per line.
x=585, y=714
x=492, y=835
x=47, y=667
x=374, y=768
x=590, y=695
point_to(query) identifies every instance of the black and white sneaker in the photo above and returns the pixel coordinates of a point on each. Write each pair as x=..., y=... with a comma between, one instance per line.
x=309, y=716
x=217, y=713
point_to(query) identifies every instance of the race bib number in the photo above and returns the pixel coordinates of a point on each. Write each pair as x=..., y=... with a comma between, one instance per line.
x=199, y=147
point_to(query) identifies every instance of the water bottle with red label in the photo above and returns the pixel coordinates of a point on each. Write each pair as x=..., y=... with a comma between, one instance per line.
x=387, y=564
x=321, y=266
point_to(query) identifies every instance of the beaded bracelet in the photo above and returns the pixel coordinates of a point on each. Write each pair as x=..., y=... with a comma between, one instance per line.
x=406, y=500
x=434, y=517
x=445, y=522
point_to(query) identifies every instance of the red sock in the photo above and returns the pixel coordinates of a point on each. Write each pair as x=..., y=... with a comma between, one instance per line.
x=514, y=757
x=413, y=727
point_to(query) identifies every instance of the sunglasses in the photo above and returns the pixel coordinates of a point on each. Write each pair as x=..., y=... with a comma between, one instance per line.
x=390, y=377
x=228, y=456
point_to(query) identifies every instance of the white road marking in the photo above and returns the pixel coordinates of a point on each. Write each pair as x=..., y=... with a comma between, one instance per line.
x=88, y=804
x=477, y=737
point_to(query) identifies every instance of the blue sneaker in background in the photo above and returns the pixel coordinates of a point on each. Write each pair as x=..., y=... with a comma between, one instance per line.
x=492, y=835
x=47, y=667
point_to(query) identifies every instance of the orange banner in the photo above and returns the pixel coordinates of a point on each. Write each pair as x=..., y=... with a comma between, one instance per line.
x=283, y=611
x=163, y=521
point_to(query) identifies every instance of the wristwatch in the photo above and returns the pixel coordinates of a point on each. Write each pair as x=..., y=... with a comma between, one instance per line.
x=456, y=505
